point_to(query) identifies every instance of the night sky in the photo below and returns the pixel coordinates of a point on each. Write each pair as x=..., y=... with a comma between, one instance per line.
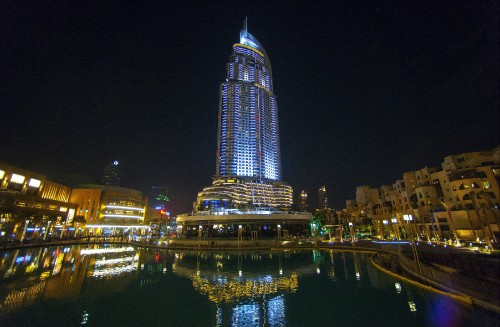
x=366, y=91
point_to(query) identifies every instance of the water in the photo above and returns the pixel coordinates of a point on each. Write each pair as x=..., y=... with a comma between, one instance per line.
x=126, y=286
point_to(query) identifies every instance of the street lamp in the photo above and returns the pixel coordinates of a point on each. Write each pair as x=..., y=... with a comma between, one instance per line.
x=396, y=227
x=239, y=235
x=408, y=219
x=384, y=226
x=279, y=233
x=351, y=228
x=200, y=229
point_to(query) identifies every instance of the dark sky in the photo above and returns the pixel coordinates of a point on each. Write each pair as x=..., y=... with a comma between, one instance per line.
x=365, y=90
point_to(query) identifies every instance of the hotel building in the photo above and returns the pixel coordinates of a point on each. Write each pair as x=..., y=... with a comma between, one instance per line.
x=248, y=160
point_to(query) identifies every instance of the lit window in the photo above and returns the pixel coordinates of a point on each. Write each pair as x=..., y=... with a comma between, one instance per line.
x=18, y=179
x=34, y=183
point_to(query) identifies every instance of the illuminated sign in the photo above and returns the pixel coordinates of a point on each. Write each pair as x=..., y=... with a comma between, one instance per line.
x=63, y=209
x=34, y=183
x=18, y=179
x=2, y=174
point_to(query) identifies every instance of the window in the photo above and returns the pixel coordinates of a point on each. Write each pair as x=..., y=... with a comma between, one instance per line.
x=463, y=187
x=486, y=184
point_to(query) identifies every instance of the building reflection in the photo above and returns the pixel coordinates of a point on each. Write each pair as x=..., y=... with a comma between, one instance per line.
x=32, y=275
x=244, y=293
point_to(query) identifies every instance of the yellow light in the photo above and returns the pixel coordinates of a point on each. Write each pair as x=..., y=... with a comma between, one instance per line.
x=18, y=179
x=2, y=174
x=63, y=209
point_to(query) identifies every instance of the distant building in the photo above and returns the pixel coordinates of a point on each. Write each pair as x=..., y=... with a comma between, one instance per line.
x=302, y=201
x=322, y=198
x=112, y=174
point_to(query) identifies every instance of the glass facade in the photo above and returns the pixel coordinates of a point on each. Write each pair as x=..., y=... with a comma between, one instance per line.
x=248, y=136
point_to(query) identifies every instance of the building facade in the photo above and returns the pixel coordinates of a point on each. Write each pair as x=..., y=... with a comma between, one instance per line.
x=30, y=204
x=460, y=201
x=104, y=205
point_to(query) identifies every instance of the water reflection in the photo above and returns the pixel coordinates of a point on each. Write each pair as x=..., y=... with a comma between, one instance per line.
x=267, y=288
x=248, y=289
x=41, y=274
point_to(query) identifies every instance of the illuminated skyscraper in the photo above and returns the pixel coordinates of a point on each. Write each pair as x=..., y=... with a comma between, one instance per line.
x=248, y=161
x=248, y=136
x=247, y=190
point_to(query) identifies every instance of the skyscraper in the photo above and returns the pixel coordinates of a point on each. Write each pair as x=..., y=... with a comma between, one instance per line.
x=302, y=205
x=247, y=196
x=248, y=160
x=112, y=174
x=248, y=139
x=322, y=198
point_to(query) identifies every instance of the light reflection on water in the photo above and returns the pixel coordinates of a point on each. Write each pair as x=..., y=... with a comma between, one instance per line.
x=99, y=285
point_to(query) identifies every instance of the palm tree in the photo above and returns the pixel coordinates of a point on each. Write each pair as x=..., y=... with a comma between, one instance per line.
x=448, y=205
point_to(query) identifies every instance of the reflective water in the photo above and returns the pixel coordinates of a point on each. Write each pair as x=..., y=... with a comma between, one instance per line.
x=125, y=286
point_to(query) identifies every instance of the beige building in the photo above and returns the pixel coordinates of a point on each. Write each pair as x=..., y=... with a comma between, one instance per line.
x=459, y=201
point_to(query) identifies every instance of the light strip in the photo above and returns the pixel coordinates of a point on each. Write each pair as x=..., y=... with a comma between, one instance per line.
x=123, y=207
x=106, y=250
x=110, y=262
x=116, y=226
x=123, y=216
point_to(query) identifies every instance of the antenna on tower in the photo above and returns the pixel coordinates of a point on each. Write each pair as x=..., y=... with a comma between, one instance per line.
x=245, y=24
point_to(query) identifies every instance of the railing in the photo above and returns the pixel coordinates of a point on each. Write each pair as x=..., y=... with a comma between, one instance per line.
x=488, y=292
x=484, y=291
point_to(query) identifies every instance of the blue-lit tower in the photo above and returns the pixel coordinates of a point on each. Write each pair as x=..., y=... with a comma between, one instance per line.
x=248, y=136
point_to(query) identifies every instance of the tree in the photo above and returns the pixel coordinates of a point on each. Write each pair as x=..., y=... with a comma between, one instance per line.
x=79, y=220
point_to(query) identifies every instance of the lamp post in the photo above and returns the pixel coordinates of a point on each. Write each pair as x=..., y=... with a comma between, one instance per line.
x=351, y=229
x=200, y=230
x=239, y=235
x=279, y=233
x=384, y=226
x=409, y=219
x=395, y=226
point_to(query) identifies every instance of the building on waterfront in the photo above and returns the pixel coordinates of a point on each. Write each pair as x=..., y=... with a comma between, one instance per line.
x=460, y=201
x=112, y=174
x=30, y=203
x=105, y=206
x=248, y=160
